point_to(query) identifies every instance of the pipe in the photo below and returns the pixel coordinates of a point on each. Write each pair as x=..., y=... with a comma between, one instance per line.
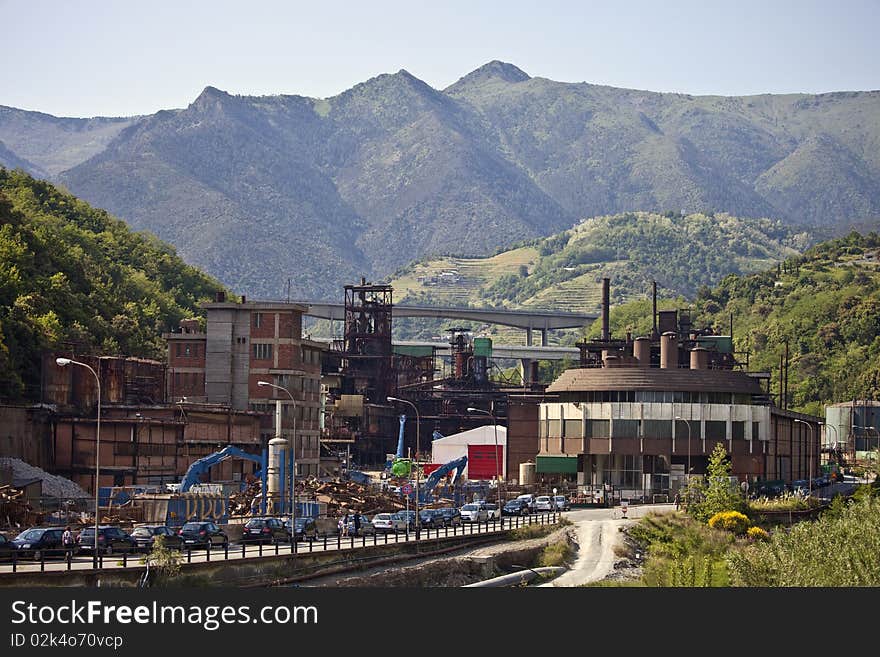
x=519, y=577
x=654, y=297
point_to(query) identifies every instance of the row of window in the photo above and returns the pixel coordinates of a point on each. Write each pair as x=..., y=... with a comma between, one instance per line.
x=189, y=381
x=303, y=413
x=658, y=396
x=263, y=351
x=713, y=429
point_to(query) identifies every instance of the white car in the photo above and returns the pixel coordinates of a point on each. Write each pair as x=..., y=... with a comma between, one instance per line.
x=529, y=499
x=387, y=523
x=492, y=510
x=561, y=502
x=474, y=513
x=543, y=503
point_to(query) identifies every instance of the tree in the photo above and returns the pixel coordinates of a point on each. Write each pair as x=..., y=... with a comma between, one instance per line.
x=717, y=493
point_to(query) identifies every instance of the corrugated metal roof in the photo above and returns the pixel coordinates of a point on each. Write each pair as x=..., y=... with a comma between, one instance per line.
x=643, y=378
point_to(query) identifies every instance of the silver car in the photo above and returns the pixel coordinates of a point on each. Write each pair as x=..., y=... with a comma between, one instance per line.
x=388, y=523
x=543, y=503
x=561, y=502
x=474, y=513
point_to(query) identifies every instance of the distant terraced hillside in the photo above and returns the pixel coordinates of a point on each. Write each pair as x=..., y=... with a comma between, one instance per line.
x=564, y=271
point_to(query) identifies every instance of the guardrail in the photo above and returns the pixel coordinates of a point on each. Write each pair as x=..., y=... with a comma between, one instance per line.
x=66, y=560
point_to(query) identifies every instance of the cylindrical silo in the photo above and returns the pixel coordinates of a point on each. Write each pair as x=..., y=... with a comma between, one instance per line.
x=642, y=351
x=699, y=358
x=669, y=351
x=526, y=473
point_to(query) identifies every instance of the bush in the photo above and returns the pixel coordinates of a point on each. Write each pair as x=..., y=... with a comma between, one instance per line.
x=731, y=521
x=757, y=534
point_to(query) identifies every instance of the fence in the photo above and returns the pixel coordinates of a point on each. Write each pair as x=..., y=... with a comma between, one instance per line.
x=65, y=559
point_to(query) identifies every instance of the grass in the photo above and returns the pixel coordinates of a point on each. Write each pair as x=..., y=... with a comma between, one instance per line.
x=557, y=554
x=536, y=530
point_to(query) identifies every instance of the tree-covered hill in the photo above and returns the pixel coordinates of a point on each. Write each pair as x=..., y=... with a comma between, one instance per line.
x=564, y=271
x=72, y=276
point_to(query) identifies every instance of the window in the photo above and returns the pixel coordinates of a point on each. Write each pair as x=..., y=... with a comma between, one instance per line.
x=625, y=428
x=187, y=350
x=738, y=430
x=657, y=428
x=716, y=429
x=598, y=429
x=555, y=428
x=573, y=429
x=262, y=351
x=258, y=320
x=756, y=430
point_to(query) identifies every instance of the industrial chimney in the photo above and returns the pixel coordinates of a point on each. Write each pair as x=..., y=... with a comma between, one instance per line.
x=606, y=309
x=642, y=351
x=699, y=358
x=669, y=351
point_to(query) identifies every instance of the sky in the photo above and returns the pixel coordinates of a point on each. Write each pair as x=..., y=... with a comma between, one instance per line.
x=119, y=58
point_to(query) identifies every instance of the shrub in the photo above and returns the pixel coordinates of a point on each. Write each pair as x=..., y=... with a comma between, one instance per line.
x=757, y=534
x=731, y=521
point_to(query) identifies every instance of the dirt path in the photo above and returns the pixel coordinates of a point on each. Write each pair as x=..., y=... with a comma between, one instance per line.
x=597, y=535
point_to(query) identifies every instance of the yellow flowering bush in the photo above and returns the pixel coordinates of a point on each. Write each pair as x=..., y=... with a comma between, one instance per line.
x=731, y=521
x=757, y=534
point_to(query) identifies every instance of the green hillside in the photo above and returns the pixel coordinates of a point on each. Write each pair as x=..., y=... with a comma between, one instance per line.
x=74, y=277
x=564, y=271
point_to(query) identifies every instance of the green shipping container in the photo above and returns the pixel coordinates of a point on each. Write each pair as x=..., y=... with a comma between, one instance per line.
x=556, y=464
x=483, y=347
x=419, y=351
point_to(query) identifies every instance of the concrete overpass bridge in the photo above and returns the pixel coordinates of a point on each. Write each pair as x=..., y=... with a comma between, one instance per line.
x=529, y=320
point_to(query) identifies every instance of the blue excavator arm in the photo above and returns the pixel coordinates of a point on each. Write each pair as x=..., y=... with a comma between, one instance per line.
x=434, y=478
x=203, y=464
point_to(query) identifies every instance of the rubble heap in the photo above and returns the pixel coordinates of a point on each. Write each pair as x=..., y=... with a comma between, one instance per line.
x=53, y=485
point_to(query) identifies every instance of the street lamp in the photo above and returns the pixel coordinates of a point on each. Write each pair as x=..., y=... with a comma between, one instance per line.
x=688, y=476
x=418, y=445
x=63, y=362
x=810, y=452
x=498, y=473
x=292, y=458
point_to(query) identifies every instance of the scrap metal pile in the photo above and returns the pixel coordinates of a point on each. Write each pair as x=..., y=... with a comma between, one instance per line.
x=341, y=497
x=15, y=510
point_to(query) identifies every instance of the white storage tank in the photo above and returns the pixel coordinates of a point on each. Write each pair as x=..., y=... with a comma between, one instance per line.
x=526, y=473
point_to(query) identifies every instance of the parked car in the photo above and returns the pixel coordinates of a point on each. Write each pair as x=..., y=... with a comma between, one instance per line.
x=264, y=530
x=306, y=528
x=202, y=535
x=561, y=503
x=800, y=487
x=144, y=536
x=451, y=515
x=431, y=519
x=386, y=523
x=492, y=510
x=529, y=499
x=406, y=520
x=474, y=512
x=6, y=548
x=110, y=539
x=38, y=542
x=515, y=507
x=366, y=527
x=543, y=503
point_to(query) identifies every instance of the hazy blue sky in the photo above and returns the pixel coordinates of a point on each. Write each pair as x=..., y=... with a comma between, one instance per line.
x=96, y=57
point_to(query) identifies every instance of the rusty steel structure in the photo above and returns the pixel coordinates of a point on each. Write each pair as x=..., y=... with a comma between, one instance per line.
x=367, y=352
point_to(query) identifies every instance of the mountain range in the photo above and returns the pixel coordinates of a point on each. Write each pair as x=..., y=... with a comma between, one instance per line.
x=260, y=191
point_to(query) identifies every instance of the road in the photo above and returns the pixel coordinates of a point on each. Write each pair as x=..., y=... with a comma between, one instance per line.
x=597, y=531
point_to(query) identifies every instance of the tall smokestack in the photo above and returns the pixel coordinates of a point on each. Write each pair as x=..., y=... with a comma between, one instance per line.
x=654, y=316
x=606, y=308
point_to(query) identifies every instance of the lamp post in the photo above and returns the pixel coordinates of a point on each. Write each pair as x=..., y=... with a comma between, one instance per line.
x=810, y=453
x=63, y=362
x=418, y=444
x=292, y=457
x=688, y=475
x=498, y=473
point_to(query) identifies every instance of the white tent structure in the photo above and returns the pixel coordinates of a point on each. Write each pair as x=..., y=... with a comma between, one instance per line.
x=449, y=448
